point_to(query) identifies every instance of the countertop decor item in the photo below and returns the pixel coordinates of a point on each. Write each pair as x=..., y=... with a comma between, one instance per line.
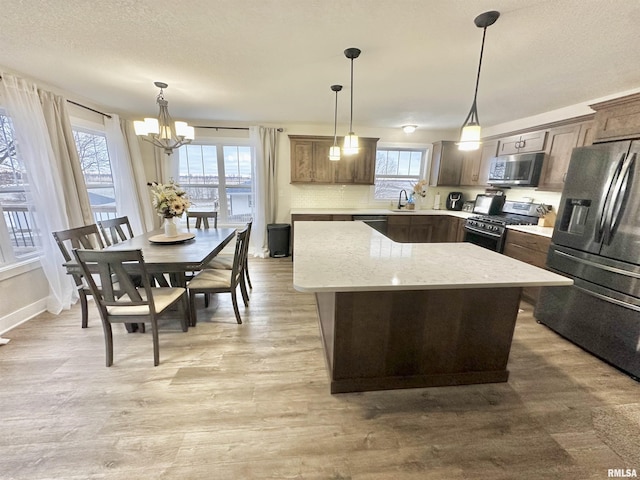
x=470, y=133
x=160, y=131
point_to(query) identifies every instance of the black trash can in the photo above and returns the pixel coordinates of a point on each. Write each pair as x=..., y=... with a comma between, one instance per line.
x=278, y=236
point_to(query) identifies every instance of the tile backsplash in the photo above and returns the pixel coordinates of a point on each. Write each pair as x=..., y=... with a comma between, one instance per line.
x=332, y=196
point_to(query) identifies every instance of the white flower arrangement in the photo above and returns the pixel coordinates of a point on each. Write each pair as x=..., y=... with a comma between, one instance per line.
x=420, y=188
x=169, y=199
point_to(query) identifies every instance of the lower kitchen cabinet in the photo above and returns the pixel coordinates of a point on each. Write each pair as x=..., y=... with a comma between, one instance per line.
x=423, y=228
x=398, y=228
x=531, y=249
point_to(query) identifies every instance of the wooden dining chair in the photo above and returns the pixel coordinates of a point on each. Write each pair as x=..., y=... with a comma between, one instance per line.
x=202, y=219
x=87, y=237
x=119, y=300
x=115, y=230
x=225, y=262
x=210, y=281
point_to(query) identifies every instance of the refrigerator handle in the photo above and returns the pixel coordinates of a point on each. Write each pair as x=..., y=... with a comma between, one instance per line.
x=604, y=219
x=618, y=203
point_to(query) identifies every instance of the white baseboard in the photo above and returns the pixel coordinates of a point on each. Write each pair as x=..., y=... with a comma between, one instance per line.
x=20, y=316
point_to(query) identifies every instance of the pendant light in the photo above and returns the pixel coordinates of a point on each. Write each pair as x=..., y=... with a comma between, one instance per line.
x=351, y=140
x=334, y=151
x=470, y=133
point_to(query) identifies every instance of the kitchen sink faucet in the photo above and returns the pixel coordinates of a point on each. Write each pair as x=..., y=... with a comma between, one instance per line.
x=400, y=205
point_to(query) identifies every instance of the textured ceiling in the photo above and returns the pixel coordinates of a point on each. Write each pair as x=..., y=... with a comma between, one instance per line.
x=273, y=61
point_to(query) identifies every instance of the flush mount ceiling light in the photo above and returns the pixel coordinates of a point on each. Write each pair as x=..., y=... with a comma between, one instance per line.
x=409, y=128
x=351, y=140
x=470, y=133
x=334, y=151
x=159, y=131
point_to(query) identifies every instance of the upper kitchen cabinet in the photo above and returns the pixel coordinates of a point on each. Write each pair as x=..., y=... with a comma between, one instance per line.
x=560, y=143
x=446, y=164
x=309, y=164
x=475, y=164
x=524, y=143
x=617, y=119
x=310, y=161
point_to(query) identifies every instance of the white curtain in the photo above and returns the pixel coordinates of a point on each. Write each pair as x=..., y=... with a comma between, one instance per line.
x=265, y=142
x=74, y=189
x=132, y=198
x=45, y=195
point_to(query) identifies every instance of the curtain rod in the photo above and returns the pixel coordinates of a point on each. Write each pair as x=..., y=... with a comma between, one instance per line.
x=84, y=106
x=89, y=108
x=230, y=128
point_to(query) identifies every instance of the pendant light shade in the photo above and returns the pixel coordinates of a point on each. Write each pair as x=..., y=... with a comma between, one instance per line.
x=351, y=139
x=334, y=151
x=470, y=132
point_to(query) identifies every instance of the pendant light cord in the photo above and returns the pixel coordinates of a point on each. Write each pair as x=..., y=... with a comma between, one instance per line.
x=335, y=121
x=351, y=113
x=475, y=93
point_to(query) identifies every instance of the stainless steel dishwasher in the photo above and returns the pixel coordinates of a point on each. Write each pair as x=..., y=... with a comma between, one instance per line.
x=377, y=222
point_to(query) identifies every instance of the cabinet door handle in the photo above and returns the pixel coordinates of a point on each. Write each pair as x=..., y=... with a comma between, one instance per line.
x=564, y=177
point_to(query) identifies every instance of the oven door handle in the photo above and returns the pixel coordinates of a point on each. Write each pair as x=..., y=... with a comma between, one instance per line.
x=482, y=232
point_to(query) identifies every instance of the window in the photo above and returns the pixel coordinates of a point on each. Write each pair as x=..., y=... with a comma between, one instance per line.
x=397, y=169
x=219, y=177
x=18, y=231
x=96, y=168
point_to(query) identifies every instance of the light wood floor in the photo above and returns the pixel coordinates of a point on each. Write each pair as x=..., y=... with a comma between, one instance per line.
x=252, y=401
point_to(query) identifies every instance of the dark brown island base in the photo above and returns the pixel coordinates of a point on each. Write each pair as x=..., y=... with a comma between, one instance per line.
x=410, y=315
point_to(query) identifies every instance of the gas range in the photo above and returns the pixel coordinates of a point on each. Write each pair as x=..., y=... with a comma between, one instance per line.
x=497, y=222
x=489, y=231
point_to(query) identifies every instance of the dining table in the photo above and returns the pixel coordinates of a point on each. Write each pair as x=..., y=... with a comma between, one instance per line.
x=176, y=256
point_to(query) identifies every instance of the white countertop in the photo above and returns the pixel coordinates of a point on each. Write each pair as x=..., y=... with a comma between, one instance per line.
x=351, y=256
x=375, y=211
x=534, y=229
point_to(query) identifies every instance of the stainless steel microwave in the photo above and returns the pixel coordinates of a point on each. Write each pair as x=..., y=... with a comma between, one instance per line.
x=522, y=170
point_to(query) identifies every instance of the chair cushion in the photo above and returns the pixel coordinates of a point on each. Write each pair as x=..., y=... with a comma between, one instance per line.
x=221, y=262
x=211, y=279
x=163, y=298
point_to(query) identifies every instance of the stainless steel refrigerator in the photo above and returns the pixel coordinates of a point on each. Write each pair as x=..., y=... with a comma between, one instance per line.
x=596, y=242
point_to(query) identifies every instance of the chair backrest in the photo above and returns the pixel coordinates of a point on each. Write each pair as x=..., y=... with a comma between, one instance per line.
x=86, y=237
x=239, y=257
x=115, y=269
x=202, y=219
x=249, y=225
x=115, y=230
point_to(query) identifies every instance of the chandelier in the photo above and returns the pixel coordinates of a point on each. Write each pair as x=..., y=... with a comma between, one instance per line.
x=159, y=131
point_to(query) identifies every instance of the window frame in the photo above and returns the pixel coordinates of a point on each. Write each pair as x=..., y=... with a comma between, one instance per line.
x=222, y=187
x=9, y=258
x=93, y=128
x=426, y=150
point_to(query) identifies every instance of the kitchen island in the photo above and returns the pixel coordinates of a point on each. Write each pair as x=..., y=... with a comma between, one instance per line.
x=402, y=315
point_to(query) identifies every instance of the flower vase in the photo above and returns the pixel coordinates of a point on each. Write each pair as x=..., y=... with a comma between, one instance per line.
x=170, y=227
